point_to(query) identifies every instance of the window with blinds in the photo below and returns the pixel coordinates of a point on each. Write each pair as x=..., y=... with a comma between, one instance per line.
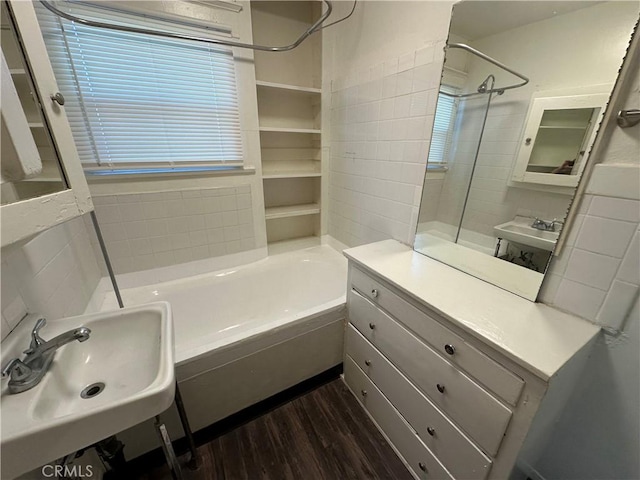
x=443, y=125
x=135, y=100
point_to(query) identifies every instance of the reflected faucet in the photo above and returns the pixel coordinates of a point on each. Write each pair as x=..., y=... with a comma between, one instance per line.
x=540, y=224
x=28, y=372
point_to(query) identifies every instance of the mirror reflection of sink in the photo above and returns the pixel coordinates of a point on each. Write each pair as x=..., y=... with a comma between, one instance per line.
x=520, y=230
x=122, y=375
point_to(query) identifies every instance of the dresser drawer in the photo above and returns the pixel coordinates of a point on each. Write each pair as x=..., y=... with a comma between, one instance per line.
x=491, y=374
x=400, y=434
x=456, y=452
x=474, y=409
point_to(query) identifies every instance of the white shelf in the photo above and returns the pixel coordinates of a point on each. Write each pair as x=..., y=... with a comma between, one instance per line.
x=284, y=246
x=292, y=88
x=291, y=211
x=290, y=169
x=290, y=130
x=43, y=180
x=17, y=71
x=36, y=125
x=563, y=127
x=271, y=176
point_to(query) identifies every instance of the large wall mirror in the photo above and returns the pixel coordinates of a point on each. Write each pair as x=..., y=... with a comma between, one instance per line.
x=524, y=88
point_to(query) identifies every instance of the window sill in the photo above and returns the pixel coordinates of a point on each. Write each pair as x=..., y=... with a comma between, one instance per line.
x=436, y=172
x=102, y=174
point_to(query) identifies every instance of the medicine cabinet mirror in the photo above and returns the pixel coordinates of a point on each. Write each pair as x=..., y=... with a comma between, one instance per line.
x=558, y=134
x=42, y=183
x=524, y=89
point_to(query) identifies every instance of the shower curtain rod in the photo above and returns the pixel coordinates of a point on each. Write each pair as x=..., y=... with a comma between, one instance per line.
x=484, y=56
x=92, y=23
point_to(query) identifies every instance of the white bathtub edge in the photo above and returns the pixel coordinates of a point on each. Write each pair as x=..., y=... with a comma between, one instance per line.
x=209, y=357
x=172, y=272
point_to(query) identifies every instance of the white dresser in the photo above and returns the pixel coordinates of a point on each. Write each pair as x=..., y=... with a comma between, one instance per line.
x=464, y=379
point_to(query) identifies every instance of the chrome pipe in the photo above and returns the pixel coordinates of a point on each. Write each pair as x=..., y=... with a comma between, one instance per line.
x=230, y=43
x=493, y=61
x=105, y=256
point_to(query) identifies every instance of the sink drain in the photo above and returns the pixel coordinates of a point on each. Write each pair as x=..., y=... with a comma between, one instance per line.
x=92, y=390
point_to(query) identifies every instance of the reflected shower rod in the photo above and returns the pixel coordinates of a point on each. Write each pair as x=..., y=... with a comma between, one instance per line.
x=318, y=25
x=484, y=56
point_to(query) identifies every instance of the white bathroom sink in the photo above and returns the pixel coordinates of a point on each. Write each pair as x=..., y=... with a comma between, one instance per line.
x=130, y=351
x=520, y=231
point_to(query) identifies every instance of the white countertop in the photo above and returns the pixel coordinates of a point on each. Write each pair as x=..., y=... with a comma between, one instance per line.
x=535, y=336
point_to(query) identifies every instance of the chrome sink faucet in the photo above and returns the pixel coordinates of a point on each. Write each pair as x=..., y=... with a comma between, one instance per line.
x=27, y=373
x=540, y=224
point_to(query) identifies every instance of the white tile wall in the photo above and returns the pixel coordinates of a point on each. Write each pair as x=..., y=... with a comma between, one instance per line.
x=380, y=128
x=53, y=274
x=149, y=230
x=597, y=275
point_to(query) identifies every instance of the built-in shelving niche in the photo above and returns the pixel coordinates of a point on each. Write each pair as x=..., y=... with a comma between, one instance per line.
x=289, y=106
x=287, y=202
x=290, y=155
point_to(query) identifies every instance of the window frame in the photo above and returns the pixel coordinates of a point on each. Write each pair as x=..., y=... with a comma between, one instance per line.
x=442, y=165
x=238, y=26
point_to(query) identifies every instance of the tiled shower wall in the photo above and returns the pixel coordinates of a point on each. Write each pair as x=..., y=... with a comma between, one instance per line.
x=380, y=129
x=53, y=274
x=150, y=230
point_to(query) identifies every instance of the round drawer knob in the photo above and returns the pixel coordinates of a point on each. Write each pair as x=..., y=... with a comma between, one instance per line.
x=422, y=466
x=372, y=326
x=440, y=388
x=431, y=431
x=374, y=293
x=363, y=392
x=450, y=349
x=367, y=363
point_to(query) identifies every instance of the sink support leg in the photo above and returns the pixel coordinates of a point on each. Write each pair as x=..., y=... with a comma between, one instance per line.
x=497, y=252
x=194, y=461
x=167, y=448
x=111, y=451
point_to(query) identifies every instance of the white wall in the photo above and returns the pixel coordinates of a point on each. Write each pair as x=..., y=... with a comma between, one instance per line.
x=597, y=277
x=382, y=68
x=53, y=274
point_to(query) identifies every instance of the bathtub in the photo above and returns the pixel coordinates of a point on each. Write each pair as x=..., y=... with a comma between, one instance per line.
x=245, y=333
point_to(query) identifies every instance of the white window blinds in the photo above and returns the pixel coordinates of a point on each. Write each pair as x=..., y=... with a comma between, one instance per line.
x=135, y=99
x=443, y=127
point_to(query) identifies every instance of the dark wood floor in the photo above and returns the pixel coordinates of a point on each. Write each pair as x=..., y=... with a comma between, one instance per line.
x=322, y=435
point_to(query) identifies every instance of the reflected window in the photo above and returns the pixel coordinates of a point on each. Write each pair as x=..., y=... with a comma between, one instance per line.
x=443, y=128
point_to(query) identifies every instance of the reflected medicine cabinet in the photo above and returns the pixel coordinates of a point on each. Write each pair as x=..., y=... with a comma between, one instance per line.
x=558, y=135
x=56, y=191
